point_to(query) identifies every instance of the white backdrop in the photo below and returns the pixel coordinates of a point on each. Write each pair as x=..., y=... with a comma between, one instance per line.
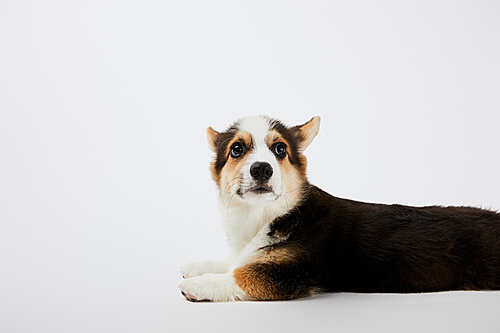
x=104, y=182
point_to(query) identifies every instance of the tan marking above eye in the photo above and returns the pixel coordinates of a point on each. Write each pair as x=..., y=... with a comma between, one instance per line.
x=241, y=136
x=272, y=138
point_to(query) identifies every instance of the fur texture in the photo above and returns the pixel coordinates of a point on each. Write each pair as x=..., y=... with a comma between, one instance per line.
x=289, y=239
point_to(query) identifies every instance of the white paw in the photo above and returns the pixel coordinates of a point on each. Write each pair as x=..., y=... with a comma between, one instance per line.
x=211, y=287
x=194, y=269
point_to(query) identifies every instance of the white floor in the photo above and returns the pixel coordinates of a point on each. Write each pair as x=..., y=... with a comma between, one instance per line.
x=443, y=312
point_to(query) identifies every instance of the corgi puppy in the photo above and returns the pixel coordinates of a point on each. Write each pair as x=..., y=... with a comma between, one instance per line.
x=289, y=239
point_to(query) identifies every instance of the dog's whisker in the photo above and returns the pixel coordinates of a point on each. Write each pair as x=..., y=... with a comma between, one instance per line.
x=229, y=186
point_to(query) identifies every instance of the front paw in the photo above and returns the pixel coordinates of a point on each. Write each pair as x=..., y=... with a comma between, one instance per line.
x=191, y=297
x=211, y=287
x=193, y=269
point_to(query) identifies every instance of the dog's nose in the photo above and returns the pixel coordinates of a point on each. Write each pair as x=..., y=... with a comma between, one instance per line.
x=261, y=171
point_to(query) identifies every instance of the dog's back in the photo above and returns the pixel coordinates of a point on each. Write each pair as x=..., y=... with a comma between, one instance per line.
x=363, y=247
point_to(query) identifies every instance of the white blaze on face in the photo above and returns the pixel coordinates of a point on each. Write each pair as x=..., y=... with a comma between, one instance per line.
x=259, y=127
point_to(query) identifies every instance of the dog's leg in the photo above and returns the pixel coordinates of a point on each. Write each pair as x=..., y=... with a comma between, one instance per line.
x=212, y=287
x=221, y=287
x=257, y=274
x=195, y=269
x=255, y=281
x=272, y=281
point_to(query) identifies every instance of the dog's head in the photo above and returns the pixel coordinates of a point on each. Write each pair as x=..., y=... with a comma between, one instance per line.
x=258, y=159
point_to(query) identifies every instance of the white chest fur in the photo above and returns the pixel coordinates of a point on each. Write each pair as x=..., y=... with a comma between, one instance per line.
x=244, y=220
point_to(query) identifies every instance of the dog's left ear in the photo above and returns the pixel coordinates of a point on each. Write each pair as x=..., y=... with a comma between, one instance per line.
x=307, y=133
x=212, y=138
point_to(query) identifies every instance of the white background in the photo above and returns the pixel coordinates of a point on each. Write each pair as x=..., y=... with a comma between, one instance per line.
x=104, y=182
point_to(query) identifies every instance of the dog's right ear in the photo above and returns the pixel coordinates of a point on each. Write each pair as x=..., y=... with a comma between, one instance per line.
x=212, y=136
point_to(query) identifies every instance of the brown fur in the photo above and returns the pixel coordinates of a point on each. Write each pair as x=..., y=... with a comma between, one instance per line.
x=256, y=286
x=293, y=177
x=230, y=175
x=308, y=132
x=260, y=286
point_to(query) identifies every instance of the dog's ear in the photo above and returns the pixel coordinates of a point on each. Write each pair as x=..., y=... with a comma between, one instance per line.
x=307, y=133
x=212, y=138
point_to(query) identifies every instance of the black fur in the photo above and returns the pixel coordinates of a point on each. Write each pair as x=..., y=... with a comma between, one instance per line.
x=292, y=137
x=222, y=143
x=344, y=245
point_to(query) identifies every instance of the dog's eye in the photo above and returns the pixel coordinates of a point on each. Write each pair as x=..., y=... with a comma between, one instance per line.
x=280, y=150
x=237, y=150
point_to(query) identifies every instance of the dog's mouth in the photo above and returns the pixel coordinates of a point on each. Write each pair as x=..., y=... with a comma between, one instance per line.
x=258, y=190
x=261, y=190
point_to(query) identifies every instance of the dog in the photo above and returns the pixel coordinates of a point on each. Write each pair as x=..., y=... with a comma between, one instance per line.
x=289, y=239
